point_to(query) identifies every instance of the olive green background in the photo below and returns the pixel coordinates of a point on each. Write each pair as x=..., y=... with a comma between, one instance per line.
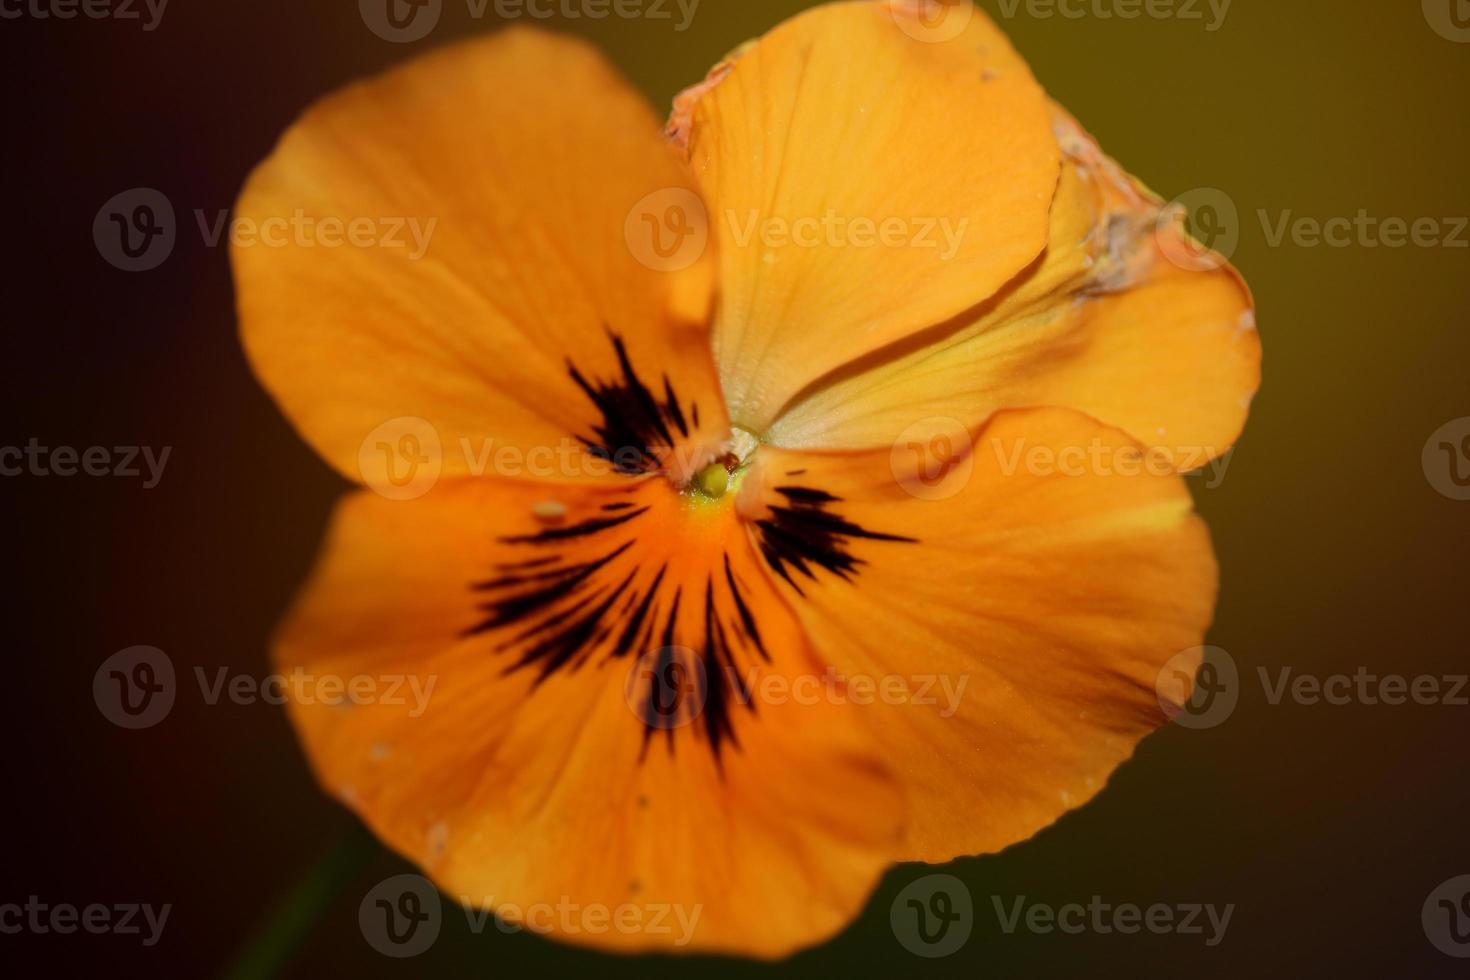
x=1327, y=827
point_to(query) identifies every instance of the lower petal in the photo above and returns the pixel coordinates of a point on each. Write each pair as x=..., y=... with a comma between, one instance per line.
x=557, y=761
x=1051, y=570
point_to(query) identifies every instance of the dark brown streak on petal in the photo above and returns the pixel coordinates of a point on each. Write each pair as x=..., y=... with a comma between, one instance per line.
x=720, y=675
x=665, y=667
x=809, y=533
x=552, y=615
x=594, y=526
x=634, y=434
x=751, y=630
x=566, y=583
x=507, y=566
x=630, y=631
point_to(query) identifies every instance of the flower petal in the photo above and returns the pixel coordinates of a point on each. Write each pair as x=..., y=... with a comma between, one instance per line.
x=1105, y=322
x=870, y=177
x=493, y=184
x=1053, y=576
x=539, y=773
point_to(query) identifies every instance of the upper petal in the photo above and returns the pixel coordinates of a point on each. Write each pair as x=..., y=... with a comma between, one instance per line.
x=494, y=183
x=867, y=177
x=1108, y=321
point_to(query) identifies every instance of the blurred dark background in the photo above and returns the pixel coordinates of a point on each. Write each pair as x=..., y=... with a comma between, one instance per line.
x=1326, y=826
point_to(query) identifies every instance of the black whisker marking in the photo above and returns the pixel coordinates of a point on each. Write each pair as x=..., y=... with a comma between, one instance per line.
x=551, y=613
x=634, y=433
x=808, y=534
x=748, y=620
x=594, y=526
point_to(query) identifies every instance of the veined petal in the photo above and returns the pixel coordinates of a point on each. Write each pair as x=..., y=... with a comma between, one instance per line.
x=868, y=177
x=595, y=732
x=493, y=183
x=1055, y=572
x=1105, y=322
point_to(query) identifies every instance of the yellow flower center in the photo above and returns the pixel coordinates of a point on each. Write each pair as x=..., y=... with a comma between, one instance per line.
x=713, y=480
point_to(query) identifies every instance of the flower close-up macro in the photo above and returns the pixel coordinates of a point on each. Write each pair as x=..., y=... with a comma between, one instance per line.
x=736, y=489
x=693, y=454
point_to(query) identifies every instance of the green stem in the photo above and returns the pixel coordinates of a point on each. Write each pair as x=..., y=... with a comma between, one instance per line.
x=297, y=911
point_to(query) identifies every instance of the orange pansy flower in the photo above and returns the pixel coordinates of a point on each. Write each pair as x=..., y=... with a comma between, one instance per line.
x=847, y=547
